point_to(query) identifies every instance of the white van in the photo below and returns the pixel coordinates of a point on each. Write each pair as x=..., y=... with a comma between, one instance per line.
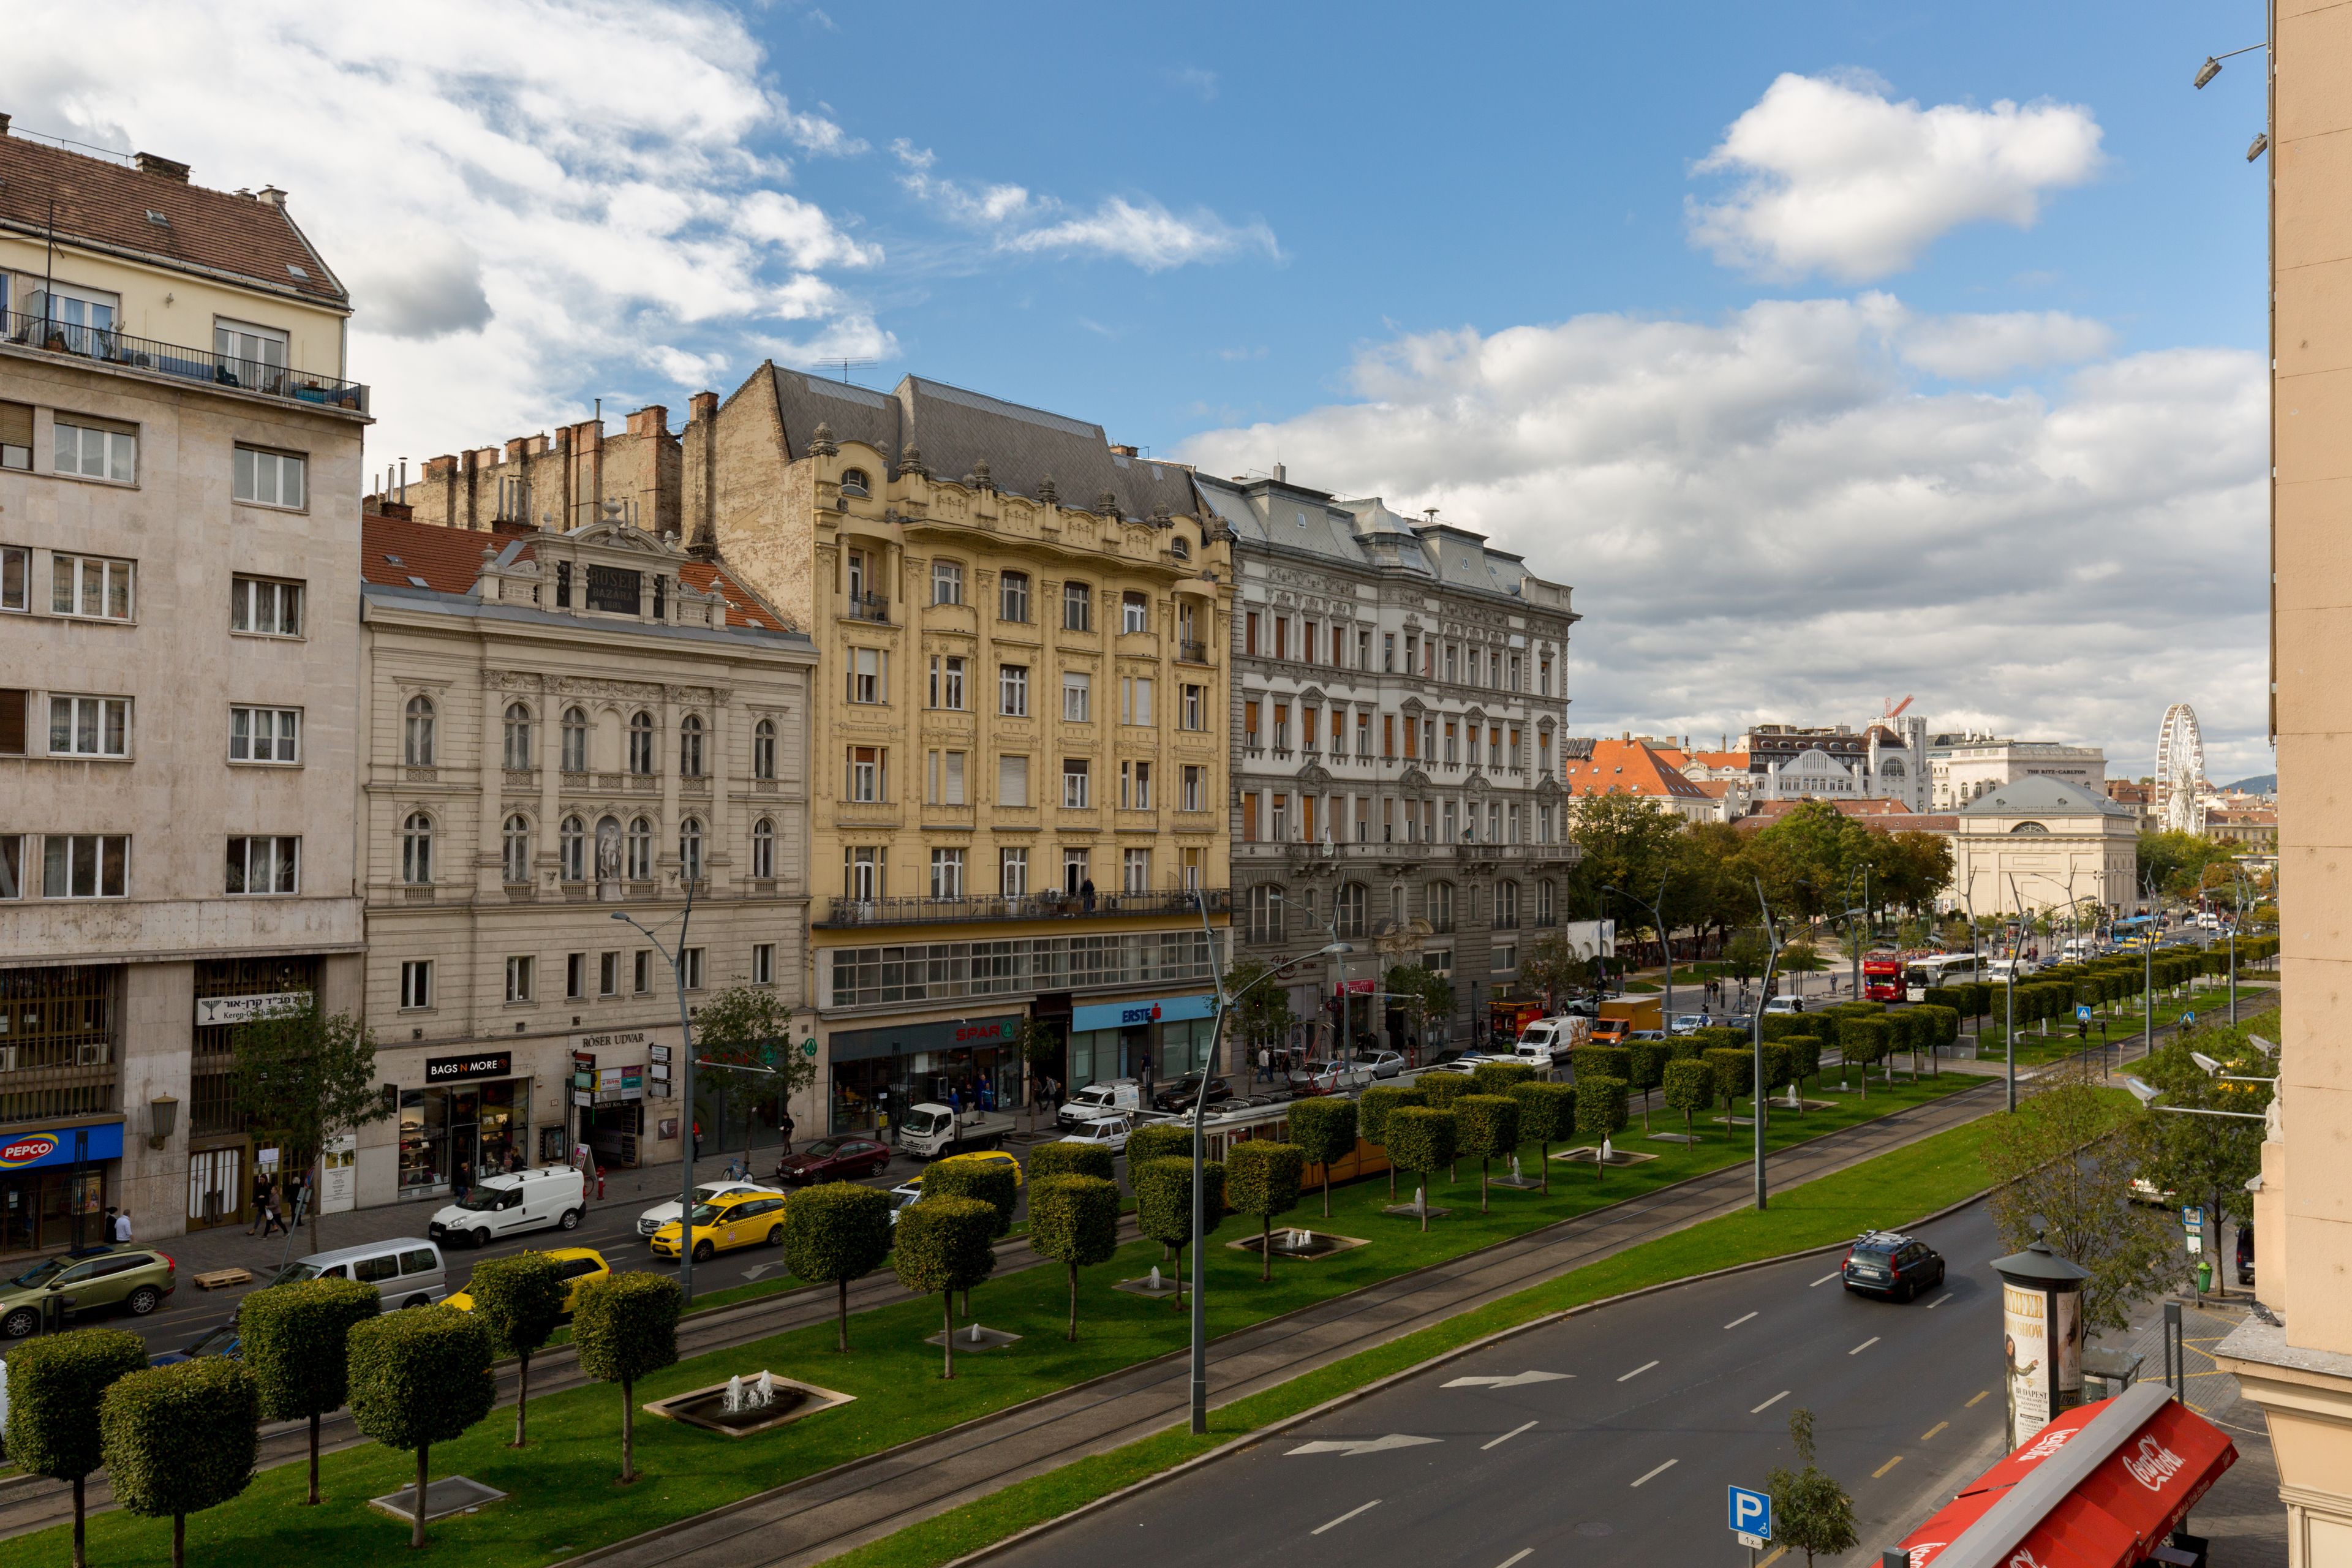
x=406, y=1270
x=549, y=1197
x=1998, y=970
x=1546, y=1040
x=1101, y=1099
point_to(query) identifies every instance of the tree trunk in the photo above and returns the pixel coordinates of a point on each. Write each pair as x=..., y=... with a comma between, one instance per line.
x=81, y=1519
x=628, y=1432
x=522, y=1395
x=178, y=1541
x=313, y=1499
x=1327, y=1189
x=1421, y=1202
x=1543, y=1151
x=1484, y=1164
x=416, y=1514
x=843, y=1319
x=1074, y=1303
x=1265, y=1248
x=947, y=1337
x=1179, y=1278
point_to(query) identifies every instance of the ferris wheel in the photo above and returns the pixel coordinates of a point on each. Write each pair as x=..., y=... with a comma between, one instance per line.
x=2179, y=772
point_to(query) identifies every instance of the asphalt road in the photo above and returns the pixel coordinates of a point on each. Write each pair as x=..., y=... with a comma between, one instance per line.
x=1621, y=1451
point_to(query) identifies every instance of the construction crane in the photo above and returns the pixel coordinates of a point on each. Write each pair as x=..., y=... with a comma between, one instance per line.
x=1894, y=710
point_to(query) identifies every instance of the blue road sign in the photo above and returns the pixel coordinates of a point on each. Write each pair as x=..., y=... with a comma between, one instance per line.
x=2082, y=1013
x=1751, y=1512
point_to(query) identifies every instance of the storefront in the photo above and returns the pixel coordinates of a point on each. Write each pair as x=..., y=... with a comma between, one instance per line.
x=970, y=1062
x=1115, y=1039
x=54, y=1184
x=471, y=1115
x=232, y=995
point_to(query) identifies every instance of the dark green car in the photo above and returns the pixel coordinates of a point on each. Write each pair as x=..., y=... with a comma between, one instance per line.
x=137, y=1279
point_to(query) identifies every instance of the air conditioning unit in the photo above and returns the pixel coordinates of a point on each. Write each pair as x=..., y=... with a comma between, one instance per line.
x=7, y=1058
x=90, y=1055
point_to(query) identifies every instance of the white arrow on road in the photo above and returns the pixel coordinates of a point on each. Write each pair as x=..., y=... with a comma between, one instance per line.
x=757, y=1269
x=1364, y=1445
x=1516, y=1380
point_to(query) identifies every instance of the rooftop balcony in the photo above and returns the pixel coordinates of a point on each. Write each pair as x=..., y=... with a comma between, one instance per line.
x=257, y=376
x=841, y=913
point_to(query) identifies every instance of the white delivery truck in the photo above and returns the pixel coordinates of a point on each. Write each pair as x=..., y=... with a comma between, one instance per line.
x=931, y=1131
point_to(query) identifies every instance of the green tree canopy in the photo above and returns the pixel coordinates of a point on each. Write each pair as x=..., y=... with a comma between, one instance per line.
x=1263, y=1179
x=56, y=1384
x=625, y=1327
x=1486, y=1125
x=836, y=1232
x=295, y=1340
x=1074, y=1220
x=520, y=1300
x=303, y=1078
x=182, y=1438
x=1324, y=1130
x=420, y=1378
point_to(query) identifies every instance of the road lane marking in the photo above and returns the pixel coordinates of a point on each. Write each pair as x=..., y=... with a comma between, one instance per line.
x=1972, y=1404
x=1637, y=1371
x=1345, y=1517
x=1863, y=1346
x=1778, y=1553
x=1933, y=1430
x=1736, y=1321
x=1513, y=1557
x=1353, y=1445
x=1770, y=1402
x=1516, y=1380
x=1498, y=1443
x=1660, y=1470
x=1825, y=1279
x=1939, y=1300
x=1887, y=1466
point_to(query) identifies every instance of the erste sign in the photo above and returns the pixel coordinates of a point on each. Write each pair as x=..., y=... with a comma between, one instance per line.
x=1751, y=1515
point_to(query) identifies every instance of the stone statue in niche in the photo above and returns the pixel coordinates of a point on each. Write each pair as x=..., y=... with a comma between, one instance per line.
x=608, y=859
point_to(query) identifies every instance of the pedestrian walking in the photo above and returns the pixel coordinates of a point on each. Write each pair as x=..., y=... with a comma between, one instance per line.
x=697, y=1139
x=118, y=1227
x=461, y=1180
x=271, y=1218
x=260, y=1200
x=784, y=1126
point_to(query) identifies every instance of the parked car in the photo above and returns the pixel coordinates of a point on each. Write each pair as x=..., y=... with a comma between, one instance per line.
x=1385, y=1064
x=1546, y=1040
x=1104, y=1132
x=1884, y=1263
x=1324, y=1075
x=548, y=1197
x=578, y=1265
x=1178, y=1094
x=1785, y=1005
x=222, y=1341
x=138, y=1281
x=990, y=1156
x=1690, y=1023
x=407, y=1271
x=839, y=1159
x=904, y=1197
x=746, y=1219
x=660, y=1214
x=1100, y=1099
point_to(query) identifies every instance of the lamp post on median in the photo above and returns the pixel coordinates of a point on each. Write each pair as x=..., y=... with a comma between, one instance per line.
x=1665, y=942
x=672, y=956
x=1771, y=955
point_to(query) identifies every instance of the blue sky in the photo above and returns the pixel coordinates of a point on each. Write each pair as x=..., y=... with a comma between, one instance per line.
x=1832, y=352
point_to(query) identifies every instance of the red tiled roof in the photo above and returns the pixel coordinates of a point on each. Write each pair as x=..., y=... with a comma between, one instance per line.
x=108, y=203
x=395, y=552
x=1628, y=767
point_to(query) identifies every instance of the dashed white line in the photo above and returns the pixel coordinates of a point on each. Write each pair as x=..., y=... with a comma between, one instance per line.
x=1770, y=1402
x=1637, y=1371
x=1736, y=1321
x=1498, y=1443
x=1345, y=1517
x=1826, y=1279
x=1660, y=1470
x=1513, y=1557
x=1863, y=1346
x=1939, y=1300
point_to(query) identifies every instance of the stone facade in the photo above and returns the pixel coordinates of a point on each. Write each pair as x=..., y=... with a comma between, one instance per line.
x=1967, y=766
x=2036, y=844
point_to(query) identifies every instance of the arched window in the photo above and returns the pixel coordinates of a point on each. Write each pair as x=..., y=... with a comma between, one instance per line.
x=763, y=749
x=575, y=741
x=763, y=849
x=518, y=737
x=641, y=849
x=517, y=848
x=689, y=747
x=1348, y=910
x=572, y=849
x=641, y=744
x=419, y=749
x=417, y=850
x=2029, y=827
x=689, y=849
x=852, y=481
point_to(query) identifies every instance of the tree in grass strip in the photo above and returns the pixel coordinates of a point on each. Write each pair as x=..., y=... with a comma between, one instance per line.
x=1734, y=1073
x=420, y=1378
x=1164, y=1204
x=1443, y=1090
x=1324, y=1129
x=1487, y=1125
x=1074, y=1220
x=1373, y=1108
x=944, y=1244
x=836, y=1232
x=1062, y=1158
x=995, y=1183
x=1804, y=1060
x=295, y=1340
x=1600, y=1112
x=1498, y=1078
x=1547, y=1114
x=625, y=1327
x=1645, y=1070
x=180, y=1439
x=520, y=1300
x=55, y=1386
x=1263, y=1178
x=1160, y=1140
x=1421, y=1138
x=1690, y=1088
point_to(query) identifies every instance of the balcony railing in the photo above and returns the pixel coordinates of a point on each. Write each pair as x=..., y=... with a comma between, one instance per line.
x=1192, y=652
x=1024, y=907
x=189, y=364
x=869, y=608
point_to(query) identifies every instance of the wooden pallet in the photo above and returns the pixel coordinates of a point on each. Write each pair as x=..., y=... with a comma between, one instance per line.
x=220, y=1278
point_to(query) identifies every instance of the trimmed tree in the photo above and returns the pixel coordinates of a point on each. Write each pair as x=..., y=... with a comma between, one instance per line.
x=1600, y=1112
x=421, y=1378
x=1061, y=1159
x=1074, y=1220
x=1547, y=1114
x=992, y=1182
x=625, y=1328
x=944, y=1244
x=1487, y=1126
x=180, y=1439
x=520, y=1300
x=1373, y=1108
x=1444, y=1089
x=1645, y=1070
x=1263, y=1179
x=55, y=1386
x=1609, y=1061
x=1164, y=1204
x=1734, y=1073
x=1690, y=1088
x=1421, y=1138
x=1498, y=1078
x=836, y=1232
x=1159, y=1140
x=1780, y=1066
x=1863, y=1041
x=295, y=1340
x=1324, y=1130
x=1804, y=1060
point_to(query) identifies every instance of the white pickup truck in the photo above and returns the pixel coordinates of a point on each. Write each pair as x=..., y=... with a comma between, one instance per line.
x=931, y=1130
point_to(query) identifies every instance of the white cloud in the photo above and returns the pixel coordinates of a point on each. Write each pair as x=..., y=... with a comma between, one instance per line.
x=1768, y=517
x=1202, y=84
x=587, y=195
x=1021, y=222
x=1978, y=348
x=1835, y=178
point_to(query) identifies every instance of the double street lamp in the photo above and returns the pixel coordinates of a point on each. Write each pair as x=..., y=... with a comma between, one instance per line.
x=674, y=957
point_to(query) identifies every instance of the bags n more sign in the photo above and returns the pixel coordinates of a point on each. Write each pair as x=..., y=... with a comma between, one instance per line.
x=455, y=1070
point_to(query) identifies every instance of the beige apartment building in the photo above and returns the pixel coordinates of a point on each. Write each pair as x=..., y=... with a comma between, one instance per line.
x=562, y=727
x=179, y=462
x=2301, y=1373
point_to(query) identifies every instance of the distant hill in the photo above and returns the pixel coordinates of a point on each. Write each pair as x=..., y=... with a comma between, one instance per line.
x=2266, y=784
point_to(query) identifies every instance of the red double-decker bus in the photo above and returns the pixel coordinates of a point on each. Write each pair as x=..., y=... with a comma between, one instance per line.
x=1881, y=977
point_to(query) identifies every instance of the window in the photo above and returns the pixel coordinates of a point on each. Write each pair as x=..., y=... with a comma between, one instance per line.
x=1135, y=871
x=13, y=702
x=1514, y=684
x=415, y=983
x=763, y=963
x=572, y=850
x=867, y=668
x=1141, y=792
x=763, y=849
x=269, y=478
x=1441, y=906
x=96, y=451
x=1134, y=613
x=945, y=779
x=515, y=856
x=947, y=681
x=640, y=862
x=1451, y=663
x=1281, y=727
x=575, y=976
x=1507, y=906
x=608, y=974
x=1077, y=870
x=689, y=747
x=1012, y=690
x=1543, y=677
x=1135, y=700
x=689, y=849
x=641, y=979
x=1077, y=694
x=866, y=775
x=85, y=866
x=1013, y=596
x=1545, y=890
x=1507, y=956
x=418, y=745
x=863, y=870
x=1012, y=780
x=1074, y=782
x=641, y=744
x=947, y=873
x=263, y=607
x=15, y=422
x=1012, y=873
x=1363, y=650
x=1265, y=914
x=263, y=864
x=90, y=586
x=518, y=737
x=417, y=850
x=1364, y=733
x=763, y=749
x=1249, y=632
x=262, y=350
x=1282, y=637
x=1077, y=607
x=1196, y=785
x=947, y=582
x=564, y=584
x=90, y=726
x=1387, y=653
x=1309, y=638
x=690, y=968
x=518, y=978
x=1348, y=910
x=575, y=741
x=1195, y=710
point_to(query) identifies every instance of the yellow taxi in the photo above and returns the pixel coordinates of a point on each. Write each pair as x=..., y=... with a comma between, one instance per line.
x=738, y=1219
x=578, y=1265
x=990, y=1156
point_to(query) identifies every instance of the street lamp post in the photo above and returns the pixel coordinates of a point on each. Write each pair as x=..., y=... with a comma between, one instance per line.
x=1665, y=942
x=686, y=1092
x=1772, y=954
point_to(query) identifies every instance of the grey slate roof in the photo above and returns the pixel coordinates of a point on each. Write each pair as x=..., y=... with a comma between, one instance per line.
x=2038, y=794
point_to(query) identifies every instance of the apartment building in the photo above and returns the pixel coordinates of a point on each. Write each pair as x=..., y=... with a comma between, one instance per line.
x=1397, y=711
x=180, y=460
x=560, y=728
x=1964, y=767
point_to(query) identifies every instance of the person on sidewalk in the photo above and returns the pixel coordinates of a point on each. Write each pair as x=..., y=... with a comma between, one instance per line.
x=271, y=1219
x=118, y=1226
x=461, y=1180
x=261, y=1190
x=784, y=1126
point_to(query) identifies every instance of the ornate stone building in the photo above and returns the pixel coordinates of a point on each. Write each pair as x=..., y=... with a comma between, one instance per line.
x=1397, y=707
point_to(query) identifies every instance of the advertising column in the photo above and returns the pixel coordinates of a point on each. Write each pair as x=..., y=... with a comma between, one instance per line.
x=2042, y=1338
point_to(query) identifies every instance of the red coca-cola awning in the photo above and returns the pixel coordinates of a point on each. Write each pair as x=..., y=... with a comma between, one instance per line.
x=1354, y=987
x=2101, y=1487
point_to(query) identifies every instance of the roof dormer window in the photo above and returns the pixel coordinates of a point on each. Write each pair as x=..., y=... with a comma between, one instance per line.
x=853, y=482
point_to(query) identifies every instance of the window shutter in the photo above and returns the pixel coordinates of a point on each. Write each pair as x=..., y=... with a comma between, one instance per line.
x=16, y=425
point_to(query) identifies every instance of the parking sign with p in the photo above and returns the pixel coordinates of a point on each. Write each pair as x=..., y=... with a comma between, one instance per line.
x=1751, y=1516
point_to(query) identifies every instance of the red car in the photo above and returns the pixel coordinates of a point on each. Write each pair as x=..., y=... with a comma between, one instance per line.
x=835, y=1160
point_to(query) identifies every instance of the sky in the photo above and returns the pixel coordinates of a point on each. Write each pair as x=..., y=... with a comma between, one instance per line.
x=1834, y=354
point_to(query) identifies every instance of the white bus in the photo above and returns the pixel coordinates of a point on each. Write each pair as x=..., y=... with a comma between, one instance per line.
x=1937, y=969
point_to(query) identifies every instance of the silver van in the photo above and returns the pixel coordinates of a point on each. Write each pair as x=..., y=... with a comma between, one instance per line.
x=406, y=1271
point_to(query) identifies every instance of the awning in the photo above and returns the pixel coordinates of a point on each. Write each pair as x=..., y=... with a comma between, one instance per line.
x=2101, y=1487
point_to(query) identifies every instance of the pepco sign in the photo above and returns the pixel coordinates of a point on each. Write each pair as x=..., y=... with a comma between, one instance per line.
x=30, y=1150
x=61, y=1146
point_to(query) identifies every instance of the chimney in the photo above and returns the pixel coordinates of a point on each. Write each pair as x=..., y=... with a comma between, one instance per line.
x=702, y=406
x=653, y=419
x=150, y=163
x=4, y=125
x=1123, y=452
x=1281, y=474
x=268, y=195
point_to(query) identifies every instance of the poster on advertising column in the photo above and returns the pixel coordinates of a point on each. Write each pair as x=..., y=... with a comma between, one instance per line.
x=2025, y=1343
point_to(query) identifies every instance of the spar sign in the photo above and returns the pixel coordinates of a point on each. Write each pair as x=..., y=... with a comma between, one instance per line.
x=61, y=1146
